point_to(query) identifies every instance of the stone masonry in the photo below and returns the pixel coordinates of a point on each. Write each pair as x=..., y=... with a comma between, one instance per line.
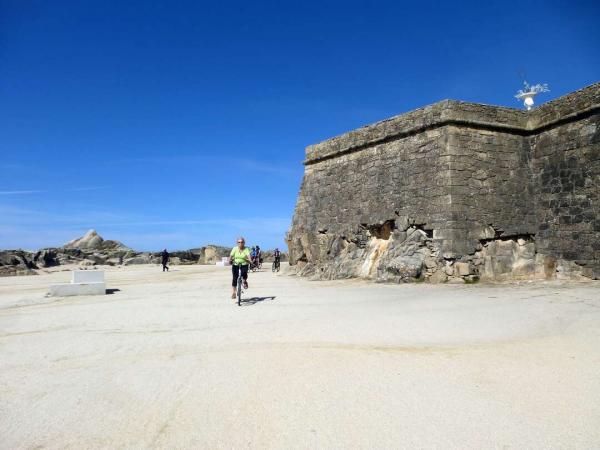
x=456, y=192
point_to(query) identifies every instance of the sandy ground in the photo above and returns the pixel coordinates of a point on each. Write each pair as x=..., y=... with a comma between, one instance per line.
x=169, y=361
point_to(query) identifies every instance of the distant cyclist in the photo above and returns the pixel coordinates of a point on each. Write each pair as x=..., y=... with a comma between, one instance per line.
x=258, y=256
x=277, y=256
x=239, y=259
x=253, y=255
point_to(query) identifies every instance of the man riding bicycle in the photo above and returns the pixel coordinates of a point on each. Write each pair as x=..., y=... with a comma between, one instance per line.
x=239, y=259
x=258, y=256
x=277, y=256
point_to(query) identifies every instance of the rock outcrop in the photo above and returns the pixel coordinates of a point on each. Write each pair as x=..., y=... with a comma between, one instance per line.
x=456, y=192
x=92, y=250
x=16, y=262
x=93, y=241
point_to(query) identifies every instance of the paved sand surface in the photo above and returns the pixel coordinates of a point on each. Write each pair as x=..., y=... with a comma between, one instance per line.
x=169, y=361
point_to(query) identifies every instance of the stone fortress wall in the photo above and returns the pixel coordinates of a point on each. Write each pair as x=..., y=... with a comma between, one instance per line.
x=456, y=192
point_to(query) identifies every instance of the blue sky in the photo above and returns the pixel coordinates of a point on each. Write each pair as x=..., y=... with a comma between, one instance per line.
x=178, y=124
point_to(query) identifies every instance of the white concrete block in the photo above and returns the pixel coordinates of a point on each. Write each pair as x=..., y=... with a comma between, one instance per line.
x=70, y=289
x=88, y=276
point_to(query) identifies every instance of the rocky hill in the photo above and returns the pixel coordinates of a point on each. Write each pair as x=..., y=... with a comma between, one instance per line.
x=92, y=250
x=93, y=241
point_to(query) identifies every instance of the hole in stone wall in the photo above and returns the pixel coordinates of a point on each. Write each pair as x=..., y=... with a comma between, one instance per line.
x=497, y=232
x=421, y=226
x=382, y=231
x=512, y=237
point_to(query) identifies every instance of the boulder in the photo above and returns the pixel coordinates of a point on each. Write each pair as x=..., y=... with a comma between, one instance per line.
x=89, y=240
x=405, y=268
x=93, y=241
x=87, y=263
x=510, y=259
x=142, y=259
x=98, y=258
x=462, y=269
x=184, y=257
x=211, y=255
x=438, y=276
x=16, y=262
x=456, y=280
x=46, y=258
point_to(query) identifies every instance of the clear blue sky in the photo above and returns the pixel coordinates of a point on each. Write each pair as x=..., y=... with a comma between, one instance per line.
x=181, y=123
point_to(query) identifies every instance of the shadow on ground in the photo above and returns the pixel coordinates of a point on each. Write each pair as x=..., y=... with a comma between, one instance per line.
x=255, y=300
x=112, y=291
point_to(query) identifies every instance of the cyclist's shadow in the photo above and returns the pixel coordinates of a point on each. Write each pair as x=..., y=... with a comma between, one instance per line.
x=254, y=300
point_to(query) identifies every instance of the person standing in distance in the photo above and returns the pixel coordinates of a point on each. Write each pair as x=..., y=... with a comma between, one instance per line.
x=239, y=259
x=164, y=259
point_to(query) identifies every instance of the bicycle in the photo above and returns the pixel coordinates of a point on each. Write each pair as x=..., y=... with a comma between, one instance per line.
x=276, y=266
x=239, y=285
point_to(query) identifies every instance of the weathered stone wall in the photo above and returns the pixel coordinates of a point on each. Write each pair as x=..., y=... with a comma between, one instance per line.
x=455, y=191
x=566, y=166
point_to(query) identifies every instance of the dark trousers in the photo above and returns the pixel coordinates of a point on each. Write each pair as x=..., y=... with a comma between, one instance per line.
x=235, y=270
x=164, y=264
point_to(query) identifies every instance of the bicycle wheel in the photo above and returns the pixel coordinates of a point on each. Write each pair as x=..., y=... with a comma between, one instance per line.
x=274, y=267
x=239, y=289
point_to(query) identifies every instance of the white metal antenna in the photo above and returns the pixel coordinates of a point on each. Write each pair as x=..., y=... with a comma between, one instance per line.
x=530, y=92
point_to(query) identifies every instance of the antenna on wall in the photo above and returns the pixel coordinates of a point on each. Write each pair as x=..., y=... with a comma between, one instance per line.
x=529, y=92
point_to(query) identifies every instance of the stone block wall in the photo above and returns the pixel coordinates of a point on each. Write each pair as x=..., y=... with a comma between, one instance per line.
x=566, y=168
x=455, y=192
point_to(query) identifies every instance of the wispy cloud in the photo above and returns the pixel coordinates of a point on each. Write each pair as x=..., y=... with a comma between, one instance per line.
x=33, y=229
x=53, y=191
x=18, y=170
x=215, y=162
x=250, y=222
x=258, y=166
x=12, y=166
x=21, y=192
x=89, y=188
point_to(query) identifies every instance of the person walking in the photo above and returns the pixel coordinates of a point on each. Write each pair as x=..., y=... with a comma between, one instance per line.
x=239, y=259
x=164, y=258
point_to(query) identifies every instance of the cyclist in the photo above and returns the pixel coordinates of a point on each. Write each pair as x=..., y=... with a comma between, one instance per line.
x=239, y=259
x=277, y=256
x=253, y=255
x=258, y=256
